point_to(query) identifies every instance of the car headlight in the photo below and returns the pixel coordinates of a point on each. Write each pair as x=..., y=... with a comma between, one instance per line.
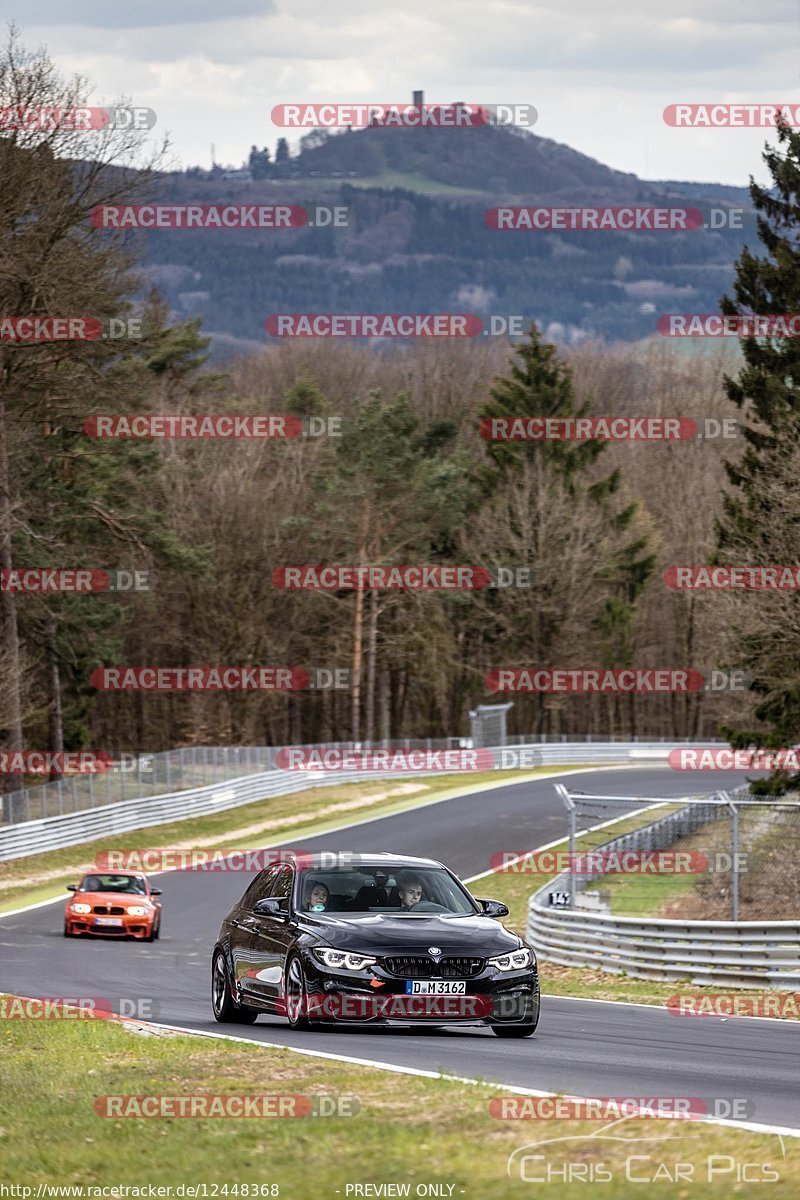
x=514, y=961
x=343, y=960
x=137, y=910
x=81, y=908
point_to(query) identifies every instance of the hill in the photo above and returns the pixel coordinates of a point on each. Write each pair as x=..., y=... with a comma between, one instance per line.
x=417, y=238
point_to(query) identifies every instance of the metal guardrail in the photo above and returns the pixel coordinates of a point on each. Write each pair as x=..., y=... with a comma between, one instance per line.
x=741, y=953
x=168, y=771
x=70, y=829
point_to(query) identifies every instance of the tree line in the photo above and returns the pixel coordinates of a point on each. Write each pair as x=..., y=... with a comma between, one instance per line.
x=409, y=480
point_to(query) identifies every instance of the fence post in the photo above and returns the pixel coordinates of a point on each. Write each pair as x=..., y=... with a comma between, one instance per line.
x=570, y=807
x=734, y=857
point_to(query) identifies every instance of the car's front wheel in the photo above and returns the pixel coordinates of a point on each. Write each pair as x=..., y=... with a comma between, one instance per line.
x=296, y=995
x=226, y=1009
x=519, y=1029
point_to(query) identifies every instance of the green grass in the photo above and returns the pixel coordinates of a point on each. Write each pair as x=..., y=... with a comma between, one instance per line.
x=644, y=895
x=408, y=1130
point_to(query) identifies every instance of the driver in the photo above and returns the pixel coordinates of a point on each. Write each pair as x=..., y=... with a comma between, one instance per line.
x=409, y=890
x=318, y=897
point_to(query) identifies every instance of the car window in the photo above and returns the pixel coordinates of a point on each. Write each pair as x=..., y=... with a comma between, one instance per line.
x=385, y=889
x=114, y=883
x=282, y=884
x=259, y=888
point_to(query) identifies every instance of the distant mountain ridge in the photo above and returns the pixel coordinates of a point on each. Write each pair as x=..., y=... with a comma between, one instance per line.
x=417, y=238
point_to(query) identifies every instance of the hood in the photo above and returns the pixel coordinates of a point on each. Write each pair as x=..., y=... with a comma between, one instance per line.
x=108, y=898
x=387, y=933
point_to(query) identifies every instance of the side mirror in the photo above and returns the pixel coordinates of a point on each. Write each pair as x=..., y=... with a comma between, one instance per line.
x=493, y=908
x=270, y=907
x=72, y=887
x=156, y=892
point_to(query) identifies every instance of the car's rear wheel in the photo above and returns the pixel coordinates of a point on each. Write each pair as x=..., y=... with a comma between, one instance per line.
x=296, y=995
x=226, y=1009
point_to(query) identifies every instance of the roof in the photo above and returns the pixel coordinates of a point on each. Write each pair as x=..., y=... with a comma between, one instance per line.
x=360, y=858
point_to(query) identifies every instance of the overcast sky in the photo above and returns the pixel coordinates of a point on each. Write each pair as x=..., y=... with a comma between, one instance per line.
x=599, y=72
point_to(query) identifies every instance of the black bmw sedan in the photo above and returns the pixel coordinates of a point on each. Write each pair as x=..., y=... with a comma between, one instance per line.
x=371, y=938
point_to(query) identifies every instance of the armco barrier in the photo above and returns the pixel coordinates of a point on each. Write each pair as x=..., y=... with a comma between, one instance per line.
x=744, y=954
x=55, y=833
x=739, y=953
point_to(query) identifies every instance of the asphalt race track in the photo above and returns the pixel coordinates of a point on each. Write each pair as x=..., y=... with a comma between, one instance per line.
x=581, y=1047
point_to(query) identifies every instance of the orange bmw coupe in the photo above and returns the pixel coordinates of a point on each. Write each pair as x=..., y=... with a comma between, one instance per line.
x=119, y=905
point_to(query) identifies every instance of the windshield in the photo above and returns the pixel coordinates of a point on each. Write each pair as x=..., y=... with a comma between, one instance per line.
x=113, y=883
x=400, y=891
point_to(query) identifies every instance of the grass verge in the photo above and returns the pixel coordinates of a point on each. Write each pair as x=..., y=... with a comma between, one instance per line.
x=408, y=1130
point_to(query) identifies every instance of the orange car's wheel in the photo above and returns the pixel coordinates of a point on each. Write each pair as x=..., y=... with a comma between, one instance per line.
x=67, y=932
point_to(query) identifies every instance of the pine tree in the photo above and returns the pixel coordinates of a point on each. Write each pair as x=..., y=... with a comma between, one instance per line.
x=767, y=391
x=540, y=385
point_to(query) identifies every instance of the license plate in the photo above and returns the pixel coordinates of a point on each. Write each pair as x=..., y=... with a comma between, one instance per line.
x=436, y=987
x=108, y=920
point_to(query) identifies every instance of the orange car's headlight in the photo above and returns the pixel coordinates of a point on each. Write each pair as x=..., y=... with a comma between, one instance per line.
x=81, y=908
x=137, y=910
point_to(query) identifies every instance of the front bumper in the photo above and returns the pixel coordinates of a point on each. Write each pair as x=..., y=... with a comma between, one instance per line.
x=375, y=996
x=136, y=927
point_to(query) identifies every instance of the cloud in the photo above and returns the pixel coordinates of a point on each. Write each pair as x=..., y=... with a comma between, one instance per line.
x=600, y=72
x=141, y=13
